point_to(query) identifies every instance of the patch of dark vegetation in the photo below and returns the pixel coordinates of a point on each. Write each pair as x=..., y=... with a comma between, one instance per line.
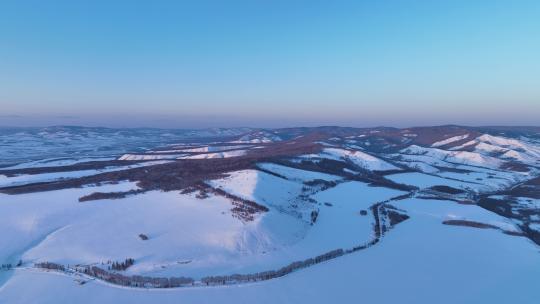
x=271, y=173
x=467, y=223
x=533, y=235
x=7, y=266
x=446, y=198
x=189, y=190
x=377, y=179
x=454, y=170
x=243, y=209
x=430, y=135
x=108, y=195
x=447, y=189
x=121, y=266
x=314, y=215
x=381, y=181
x=320, y=184
x=179, y=174
x=531, y=189
x=136, y=280
x=501, y=207
x=323, y=165
x=386, y=217
x=396, y=217
x=510, y=208
x=473, y=224
x=377, y=225
x=515, y=233
x=203, y=194
x=51, y=266
x=515, y=166
x=395, y=171
x=393, y=214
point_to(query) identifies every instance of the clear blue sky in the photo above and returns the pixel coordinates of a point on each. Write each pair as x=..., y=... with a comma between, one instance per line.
x=269, y=63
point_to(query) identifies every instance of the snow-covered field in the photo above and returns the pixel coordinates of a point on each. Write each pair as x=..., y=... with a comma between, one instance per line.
x=188, y=236
x=422, y=262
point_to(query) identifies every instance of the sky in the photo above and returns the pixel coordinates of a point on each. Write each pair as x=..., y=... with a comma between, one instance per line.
x=269, y=63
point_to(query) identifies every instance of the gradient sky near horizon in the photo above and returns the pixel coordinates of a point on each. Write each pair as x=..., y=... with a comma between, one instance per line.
x=269, y=63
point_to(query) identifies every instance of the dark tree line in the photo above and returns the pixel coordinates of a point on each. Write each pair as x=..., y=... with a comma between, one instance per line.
x=136, y=280
x=271, y=274
x=6, y=266
x=49, y=265
x=123, y=265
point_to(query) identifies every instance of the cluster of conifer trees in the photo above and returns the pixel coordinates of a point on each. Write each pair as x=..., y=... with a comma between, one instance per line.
x=123, y=265
x=49, y=265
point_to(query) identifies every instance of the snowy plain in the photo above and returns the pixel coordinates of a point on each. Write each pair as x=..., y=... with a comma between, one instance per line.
x=422, y=262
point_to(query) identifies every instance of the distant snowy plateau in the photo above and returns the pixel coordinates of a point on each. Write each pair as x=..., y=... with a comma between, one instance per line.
x=445, y=214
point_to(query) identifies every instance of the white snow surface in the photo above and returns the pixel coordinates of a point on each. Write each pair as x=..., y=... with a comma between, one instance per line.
x=511, y=149
x=297, y=174
x=359, y=158
x=260, y=187
x=181, y=229
x=449, y=140
x=404, y=261
x=459, y=157
x=418, y=165
x=226, y=154
x=149, y=156
x=213, y=148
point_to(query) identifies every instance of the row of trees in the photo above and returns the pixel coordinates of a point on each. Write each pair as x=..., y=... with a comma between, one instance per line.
x=6, y=266
x=267, y=275
x=49, y=265
x=136, y=280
